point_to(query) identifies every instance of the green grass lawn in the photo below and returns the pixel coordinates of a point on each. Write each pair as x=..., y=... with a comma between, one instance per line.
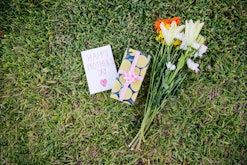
x=48, y=116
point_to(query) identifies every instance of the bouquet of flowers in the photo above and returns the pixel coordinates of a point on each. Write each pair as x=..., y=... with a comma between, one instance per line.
x=178, y=45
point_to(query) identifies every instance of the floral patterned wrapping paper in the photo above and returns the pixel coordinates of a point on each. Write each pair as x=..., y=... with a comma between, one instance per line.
x=130, y=76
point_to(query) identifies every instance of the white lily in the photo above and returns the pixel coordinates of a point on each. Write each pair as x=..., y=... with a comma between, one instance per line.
x=192, y=65
x=170, y=66
x=192, y=31
x=170, y=33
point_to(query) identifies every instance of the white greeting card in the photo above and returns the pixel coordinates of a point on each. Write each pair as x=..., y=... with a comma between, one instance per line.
x=100, y=68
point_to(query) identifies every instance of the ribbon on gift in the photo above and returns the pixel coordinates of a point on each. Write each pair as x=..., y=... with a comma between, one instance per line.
x=129, y=76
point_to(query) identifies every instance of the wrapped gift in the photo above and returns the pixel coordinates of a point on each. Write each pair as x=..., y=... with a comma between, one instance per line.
x=130, y=76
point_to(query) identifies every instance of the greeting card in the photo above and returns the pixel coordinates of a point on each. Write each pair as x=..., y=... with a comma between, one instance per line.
x=100, y=68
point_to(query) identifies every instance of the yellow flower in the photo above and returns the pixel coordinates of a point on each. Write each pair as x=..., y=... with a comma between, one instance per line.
x=177, y=43
x=160, y=37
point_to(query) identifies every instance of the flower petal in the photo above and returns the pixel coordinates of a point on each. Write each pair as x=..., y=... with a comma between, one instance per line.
x=192, y=65
x=170, y=66
x=196, y=45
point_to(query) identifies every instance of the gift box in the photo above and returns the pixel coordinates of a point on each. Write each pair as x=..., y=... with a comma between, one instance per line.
x=130, y=76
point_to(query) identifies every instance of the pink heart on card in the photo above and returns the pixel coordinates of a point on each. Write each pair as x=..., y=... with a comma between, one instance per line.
x=103, y=82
